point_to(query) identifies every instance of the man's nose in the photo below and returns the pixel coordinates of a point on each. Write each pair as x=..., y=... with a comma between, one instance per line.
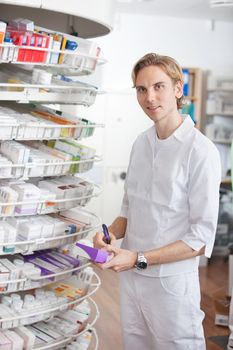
x=151, y=95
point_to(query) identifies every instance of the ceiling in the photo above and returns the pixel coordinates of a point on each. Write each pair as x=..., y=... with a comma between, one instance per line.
x=176, y=8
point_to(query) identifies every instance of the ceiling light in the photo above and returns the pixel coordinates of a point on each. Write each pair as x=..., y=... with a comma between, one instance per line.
x=220, y=3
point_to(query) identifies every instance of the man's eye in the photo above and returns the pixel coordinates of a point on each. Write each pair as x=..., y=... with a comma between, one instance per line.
x=140, y=89
x=158, y=87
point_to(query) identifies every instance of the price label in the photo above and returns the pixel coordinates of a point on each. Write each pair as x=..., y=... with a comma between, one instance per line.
x=40, y=241
x=63, y=307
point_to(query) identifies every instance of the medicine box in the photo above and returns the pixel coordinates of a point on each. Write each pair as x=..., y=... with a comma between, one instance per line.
x=27, y=193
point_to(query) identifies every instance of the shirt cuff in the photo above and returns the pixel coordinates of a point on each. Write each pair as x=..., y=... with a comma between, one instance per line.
x=196, y=245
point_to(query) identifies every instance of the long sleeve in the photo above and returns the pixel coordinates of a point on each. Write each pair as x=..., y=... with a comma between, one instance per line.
x=205, y=178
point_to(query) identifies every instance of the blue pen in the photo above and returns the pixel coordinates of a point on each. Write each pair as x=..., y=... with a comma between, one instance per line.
x=106, y=234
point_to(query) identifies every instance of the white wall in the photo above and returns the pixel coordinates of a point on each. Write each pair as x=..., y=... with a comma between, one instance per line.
x=191, y=42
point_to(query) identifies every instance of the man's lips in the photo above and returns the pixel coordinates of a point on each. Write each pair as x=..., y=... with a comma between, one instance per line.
x=153, y=108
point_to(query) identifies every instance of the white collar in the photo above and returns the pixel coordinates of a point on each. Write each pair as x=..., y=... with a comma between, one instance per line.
x=178, y=134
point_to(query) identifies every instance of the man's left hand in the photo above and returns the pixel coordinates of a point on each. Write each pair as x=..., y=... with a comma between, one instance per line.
x=122, y=260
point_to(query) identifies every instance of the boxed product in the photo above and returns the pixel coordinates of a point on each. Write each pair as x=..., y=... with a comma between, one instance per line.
x=222, y=307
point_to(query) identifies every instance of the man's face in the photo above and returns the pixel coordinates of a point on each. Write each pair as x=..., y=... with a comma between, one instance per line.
x=156, y=93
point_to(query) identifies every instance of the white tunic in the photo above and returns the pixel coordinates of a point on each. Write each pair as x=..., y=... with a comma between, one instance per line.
x=172, y=193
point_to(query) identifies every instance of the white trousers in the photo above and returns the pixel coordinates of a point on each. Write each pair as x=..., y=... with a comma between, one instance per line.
x=161, y=313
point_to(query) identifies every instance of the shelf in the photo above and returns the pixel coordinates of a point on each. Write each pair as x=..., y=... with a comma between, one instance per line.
x=31, y=283
x=69, y=338
x=47, y=311
x=29, y=246
x=78, y=63
x=219, y=89
x=62, y=94
x=96, y=338
x=52, y=206
x=84, y=165
x=17, y=130
x=225, y=114
x=23, y=123
x=90, y=18
x=225, y=142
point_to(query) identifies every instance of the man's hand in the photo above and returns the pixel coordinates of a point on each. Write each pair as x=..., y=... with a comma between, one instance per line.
x=122, y=259
x=99, y=240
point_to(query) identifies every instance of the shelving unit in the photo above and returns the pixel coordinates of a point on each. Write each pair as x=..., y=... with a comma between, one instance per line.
x=63, y=92
x=219, y=117
x=193, y=92
x=219, y=128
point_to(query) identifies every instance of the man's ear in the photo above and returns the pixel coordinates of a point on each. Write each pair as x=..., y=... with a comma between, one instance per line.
x=179, y=89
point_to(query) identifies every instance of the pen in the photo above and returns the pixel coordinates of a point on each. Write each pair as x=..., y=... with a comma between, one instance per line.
x=106, y=234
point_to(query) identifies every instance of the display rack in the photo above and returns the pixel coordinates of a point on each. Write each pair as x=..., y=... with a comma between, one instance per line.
x=49, y=311
x=219, y=122
x=220, y=109
x=219, y=128
x=62, y=91
x=26, y=247
x=193, y=90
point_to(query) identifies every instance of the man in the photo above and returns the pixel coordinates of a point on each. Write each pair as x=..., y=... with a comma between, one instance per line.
x=168, y=217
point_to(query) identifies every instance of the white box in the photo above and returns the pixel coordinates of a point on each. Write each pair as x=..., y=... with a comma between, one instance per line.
x=14, y=274
x=5, y=343
x=16, y=341
x=4, y=276
x=28, y=337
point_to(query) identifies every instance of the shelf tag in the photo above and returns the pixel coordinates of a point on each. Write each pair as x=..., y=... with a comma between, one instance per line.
x=40, y=240
x=63, y=307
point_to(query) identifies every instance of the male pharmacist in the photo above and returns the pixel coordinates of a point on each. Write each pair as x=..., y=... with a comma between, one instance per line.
x=168, y=217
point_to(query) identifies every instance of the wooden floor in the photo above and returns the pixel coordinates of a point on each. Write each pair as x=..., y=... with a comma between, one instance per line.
x=213, y=277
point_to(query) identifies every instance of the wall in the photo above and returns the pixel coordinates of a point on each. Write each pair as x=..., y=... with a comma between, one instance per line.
x=191, y=42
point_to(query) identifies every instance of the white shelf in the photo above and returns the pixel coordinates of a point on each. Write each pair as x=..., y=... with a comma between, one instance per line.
x=220, y=89
x=81, y=63
x=27, y=247
x=47, y=312
x=42, y=280
x=225, y=114
x=26, y=167
x=62, y=94
x=69, y=338
x=96, y=338
x=62, y=204
x=225, y=142
x=91, y=18
x=42, y=130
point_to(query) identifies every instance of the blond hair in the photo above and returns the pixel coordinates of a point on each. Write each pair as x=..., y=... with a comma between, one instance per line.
x=166, y=63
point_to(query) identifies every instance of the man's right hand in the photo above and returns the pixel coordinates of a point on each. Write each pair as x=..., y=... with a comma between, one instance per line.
x=99, y=240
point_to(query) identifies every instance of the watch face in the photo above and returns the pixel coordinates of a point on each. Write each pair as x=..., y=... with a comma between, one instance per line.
x=142, y=265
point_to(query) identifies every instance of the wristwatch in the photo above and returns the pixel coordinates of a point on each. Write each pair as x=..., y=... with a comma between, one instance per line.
x=141, y=262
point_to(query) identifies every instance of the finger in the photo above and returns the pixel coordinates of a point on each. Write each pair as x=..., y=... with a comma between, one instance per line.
x=116, y=269
x=112, y=249
x=99, y=265
x=98, y=240
x=109, y=264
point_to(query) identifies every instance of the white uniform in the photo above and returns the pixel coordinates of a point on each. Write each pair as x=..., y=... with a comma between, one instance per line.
x=171, y=194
